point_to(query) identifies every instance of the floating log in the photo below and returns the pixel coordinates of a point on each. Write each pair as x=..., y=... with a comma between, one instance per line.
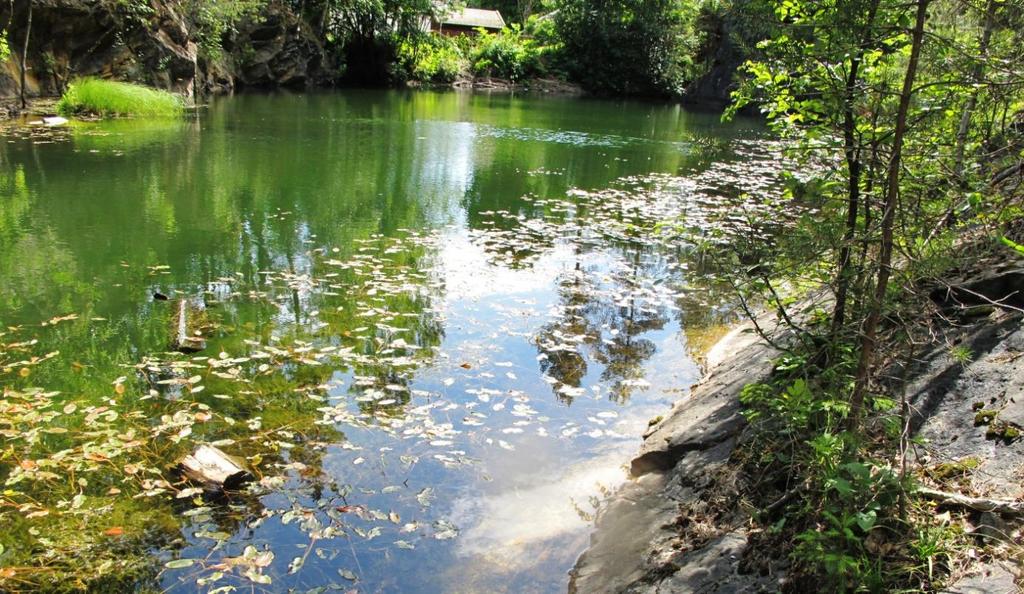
x=183, y=326
x=214, y=470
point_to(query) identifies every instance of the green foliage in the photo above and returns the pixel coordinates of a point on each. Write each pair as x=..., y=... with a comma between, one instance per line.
x=726, y=32
x=962, y=354
x=857, y=498
x=436, y=59
x=112, y=98
x=5, y=48
x=845, y=516
x=799, y=422
x=637, y=47
x=543, y=30
x=932, y=545
x=508, y=54
x=368, y=33
x=794, y=408
x=213, y=19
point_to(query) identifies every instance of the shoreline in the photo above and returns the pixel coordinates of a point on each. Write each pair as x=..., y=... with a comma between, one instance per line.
x=632, y=546
x=664, y=529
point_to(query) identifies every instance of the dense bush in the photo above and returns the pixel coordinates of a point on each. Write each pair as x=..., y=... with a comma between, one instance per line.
x=511, y=54
x=112, y=98
x=637, y=47
x=436, y=59
x=508, y=54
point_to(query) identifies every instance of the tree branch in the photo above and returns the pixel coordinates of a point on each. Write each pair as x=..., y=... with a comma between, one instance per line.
x=982, y=504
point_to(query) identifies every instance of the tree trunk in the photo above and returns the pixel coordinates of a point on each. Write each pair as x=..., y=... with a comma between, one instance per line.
x=854, y=167
x=976, y=76
x=24, y=55
x=870, y=331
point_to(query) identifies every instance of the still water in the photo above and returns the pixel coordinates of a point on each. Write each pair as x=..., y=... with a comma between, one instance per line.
x=436, y=324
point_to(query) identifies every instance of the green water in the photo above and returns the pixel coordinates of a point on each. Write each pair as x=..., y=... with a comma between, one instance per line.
x=435, y=323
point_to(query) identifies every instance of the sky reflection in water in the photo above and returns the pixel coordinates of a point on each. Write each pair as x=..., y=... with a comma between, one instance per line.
x=486, y=346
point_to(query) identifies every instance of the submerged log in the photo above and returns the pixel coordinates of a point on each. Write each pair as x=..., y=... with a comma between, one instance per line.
x=183, y=326
x=214, y=470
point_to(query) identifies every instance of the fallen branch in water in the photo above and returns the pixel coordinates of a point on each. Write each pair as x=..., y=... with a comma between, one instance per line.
x=182, y=322
x=982, y=504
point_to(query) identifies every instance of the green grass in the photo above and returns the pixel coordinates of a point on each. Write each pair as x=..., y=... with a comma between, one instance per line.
x=112, y=98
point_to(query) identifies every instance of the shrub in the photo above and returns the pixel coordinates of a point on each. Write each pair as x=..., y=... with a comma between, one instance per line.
x=511, y=54
x=112, y=98
x=508, y=54
x=436, y=59
x=637, y=47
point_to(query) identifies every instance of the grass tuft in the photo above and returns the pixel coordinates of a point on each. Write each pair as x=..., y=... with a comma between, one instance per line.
x=112, y=98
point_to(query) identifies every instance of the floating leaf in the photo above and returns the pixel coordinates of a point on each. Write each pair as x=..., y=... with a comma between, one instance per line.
x=444, y=530
x=254, y=575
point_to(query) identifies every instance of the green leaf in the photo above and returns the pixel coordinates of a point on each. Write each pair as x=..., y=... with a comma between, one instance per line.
x=179, y=563
x=867, y=520
x=842, y=486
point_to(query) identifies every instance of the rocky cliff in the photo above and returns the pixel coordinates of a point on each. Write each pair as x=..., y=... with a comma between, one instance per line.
x=152, y=43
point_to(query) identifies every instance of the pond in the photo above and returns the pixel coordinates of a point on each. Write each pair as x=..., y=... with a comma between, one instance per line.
x=436, y=326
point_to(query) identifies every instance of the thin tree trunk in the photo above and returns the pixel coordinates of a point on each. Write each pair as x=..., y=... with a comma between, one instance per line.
x=854, y=167
x=963, y=130
x=870, y=331
x=24, y=55
x=525, y=9
x=976, y=76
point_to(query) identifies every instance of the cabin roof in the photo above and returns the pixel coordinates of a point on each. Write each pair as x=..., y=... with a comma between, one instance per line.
x=473, y=17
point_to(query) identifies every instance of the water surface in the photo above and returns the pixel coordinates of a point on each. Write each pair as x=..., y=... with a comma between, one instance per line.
x=437, y=323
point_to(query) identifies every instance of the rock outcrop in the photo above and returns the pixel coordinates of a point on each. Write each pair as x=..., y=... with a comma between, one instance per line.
x=676, y=528
x=71, y=38
x=277, y=50
x=152, y=44
x=637, y=545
